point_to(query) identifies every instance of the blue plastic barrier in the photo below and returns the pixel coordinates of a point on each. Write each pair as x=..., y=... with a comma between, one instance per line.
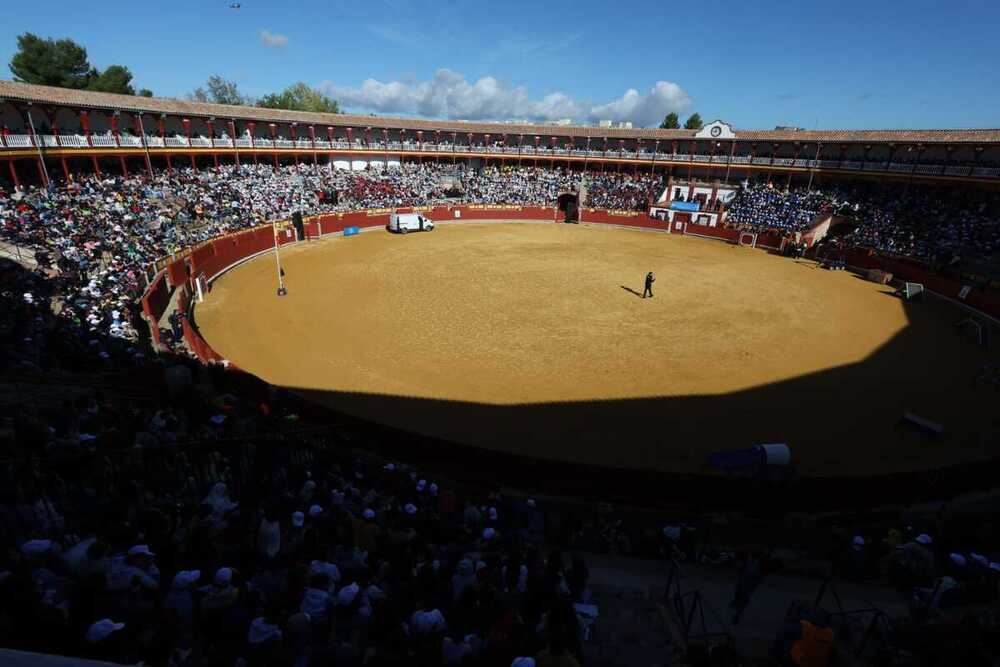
x=352, y=231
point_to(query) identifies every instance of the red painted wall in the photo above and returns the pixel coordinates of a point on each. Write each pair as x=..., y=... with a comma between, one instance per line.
x=724, y=233
x=909, y=271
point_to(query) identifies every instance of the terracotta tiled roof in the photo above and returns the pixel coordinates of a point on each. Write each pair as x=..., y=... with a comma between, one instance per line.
x=24, y=92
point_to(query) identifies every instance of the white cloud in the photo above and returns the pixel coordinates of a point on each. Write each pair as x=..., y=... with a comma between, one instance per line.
x=275, y=40
x=451, y=95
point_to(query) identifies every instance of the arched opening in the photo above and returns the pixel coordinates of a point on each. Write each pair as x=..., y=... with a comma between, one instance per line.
x=568, y=204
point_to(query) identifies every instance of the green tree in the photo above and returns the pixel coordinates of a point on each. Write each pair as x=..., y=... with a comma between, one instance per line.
x=220, y=91
x=63, y=63
x=694, y=122
x=114, y=79
x=300, y=97
x=670, y=122
x=50, y=62
x=145, y=92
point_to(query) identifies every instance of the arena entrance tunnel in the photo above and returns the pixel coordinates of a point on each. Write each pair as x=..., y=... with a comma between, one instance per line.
x=609, y=437
x=568, y=205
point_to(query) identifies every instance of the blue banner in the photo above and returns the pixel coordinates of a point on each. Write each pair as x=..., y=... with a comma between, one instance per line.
x=352, y=231
x=691, y=206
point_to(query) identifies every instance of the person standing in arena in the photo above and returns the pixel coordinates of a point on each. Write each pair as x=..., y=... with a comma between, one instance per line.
x=650, y=279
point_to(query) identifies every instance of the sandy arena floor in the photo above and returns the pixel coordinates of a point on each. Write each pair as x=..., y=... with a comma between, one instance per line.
x=532, y=338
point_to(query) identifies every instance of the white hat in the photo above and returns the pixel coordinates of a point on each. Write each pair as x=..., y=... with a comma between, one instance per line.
x=101, y=629
x=223, y=576
x=329, y=569
x=315, y=511
x=523, y=662
x=434, y=489
x=369, y=513
x=859, y=541
x=493, y=514
x=218, y=419
x=427, y=622
x=489, y=533
x=531, y=502
x=185, y=578
x=36, y=547
x=421, y=485
x=410, y=509
x=980, y=559
x=261, y=631
x=390, y=467
x=924, y=538
x=995, y=567
x=347, y=594
x=140, y=550
x=298, y=519
x=958, y=559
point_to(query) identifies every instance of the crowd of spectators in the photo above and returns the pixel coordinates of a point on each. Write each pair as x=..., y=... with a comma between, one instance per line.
x=167, y=552
x=928, y=224
x=761, y=206
x=137, y=542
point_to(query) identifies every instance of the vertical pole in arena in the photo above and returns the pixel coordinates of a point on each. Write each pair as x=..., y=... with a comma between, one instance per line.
x=42, y=171
x=812, y=170
x=277, y=262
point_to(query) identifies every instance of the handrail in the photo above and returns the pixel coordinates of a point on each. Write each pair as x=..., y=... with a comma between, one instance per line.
x=17, y=141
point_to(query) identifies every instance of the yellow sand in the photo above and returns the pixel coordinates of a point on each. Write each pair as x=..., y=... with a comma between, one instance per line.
x=531, y=338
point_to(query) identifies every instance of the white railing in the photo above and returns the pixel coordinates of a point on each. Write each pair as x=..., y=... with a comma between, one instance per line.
x=73, y=141
x=19, y=141
x=15, y=141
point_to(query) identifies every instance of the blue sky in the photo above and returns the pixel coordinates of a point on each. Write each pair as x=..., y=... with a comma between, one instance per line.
x=845, y=64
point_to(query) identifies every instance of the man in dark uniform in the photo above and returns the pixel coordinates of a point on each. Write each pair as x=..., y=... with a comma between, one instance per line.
x=649, y=285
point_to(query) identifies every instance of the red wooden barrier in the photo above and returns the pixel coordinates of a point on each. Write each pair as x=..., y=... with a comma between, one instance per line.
x=177, y=273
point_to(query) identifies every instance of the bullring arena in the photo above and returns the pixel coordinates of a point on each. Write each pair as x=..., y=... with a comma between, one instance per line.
x=531, y=339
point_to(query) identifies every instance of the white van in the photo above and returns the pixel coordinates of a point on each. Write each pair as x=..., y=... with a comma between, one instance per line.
x=409, y=222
